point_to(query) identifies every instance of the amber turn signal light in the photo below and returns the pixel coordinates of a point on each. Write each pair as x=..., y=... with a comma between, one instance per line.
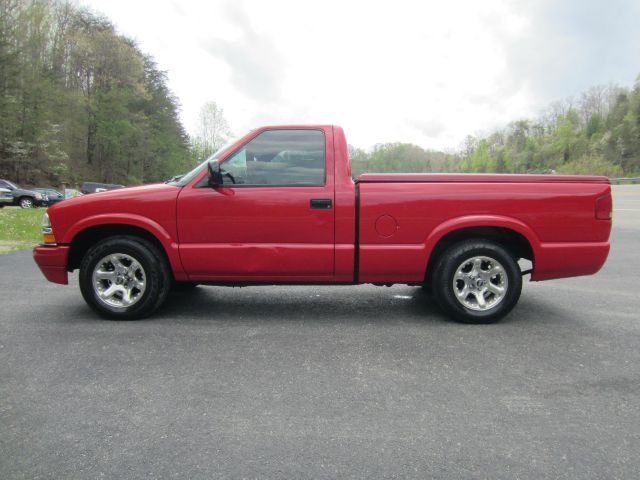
x=48, y=238
x=47, y=231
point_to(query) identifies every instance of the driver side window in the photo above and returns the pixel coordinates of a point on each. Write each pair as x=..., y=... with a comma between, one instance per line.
x=278, y=157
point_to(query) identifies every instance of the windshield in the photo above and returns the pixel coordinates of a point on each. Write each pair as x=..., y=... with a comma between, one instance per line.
x=12, y=185
x=187, y=177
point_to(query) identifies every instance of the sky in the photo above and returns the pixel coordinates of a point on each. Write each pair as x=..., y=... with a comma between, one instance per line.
x=425, y=72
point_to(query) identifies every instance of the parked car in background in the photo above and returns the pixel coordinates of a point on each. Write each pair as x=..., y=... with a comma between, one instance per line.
x=20, y=196
x=71, y=193
x=95, y=187
x=49, y=196
x=6, y=197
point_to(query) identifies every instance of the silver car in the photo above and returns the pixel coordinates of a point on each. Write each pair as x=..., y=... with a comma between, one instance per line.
x=6, y=197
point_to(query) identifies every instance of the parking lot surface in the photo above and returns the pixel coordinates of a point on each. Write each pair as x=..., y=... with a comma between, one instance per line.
x=325, y=382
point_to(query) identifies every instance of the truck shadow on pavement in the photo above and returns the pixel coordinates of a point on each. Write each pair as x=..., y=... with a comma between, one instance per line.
x=409, y=306
x=362, y=304
x=344, y=305
x=308, y=304
x=351, y=305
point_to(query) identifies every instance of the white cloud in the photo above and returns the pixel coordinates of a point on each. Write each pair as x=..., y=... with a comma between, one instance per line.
x=416, y=71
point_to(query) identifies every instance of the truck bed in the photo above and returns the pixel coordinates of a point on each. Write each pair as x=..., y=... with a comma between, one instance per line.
x=402, y=217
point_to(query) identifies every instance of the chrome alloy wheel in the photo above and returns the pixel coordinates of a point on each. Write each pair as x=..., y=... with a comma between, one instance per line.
x=480, y=283
x=119, y=281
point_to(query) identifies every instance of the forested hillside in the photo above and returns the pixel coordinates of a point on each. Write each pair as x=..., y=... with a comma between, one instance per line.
x=80, y=102
x=401, y=157
x=598, y=133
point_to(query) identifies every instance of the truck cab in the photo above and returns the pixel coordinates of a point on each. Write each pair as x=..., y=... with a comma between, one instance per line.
x=276, y=190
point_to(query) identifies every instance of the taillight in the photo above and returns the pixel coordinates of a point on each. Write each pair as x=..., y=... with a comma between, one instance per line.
x=604, y=205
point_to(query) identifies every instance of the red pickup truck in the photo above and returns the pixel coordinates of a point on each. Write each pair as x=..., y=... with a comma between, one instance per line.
x=279, y=206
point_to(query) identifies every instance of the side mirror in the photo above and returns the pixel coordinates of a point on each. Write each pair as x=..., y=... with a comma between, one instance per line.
x=215, y=176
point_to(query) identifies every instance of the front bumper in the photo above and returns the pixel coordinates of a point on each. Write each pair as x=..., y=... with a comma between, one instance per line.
x=53, y=261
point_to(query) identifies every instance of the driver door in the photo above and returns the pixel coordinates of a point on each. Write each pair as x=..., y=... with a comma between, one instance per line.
x=271, y=219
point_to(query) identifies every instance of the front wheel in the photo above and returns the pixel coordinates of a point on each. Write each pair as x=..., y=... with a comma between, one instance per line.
x=477, y=281
x=124, y=278
x=26, y=202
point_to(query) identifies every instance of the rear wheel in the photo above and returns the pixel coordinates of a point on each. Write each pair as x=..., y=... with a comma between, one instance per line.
x=124, y=278
x=477, y=281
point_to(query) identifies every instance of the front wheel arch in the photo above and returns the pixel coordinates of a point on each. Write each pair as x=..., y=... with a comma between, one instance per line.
x=88, y=237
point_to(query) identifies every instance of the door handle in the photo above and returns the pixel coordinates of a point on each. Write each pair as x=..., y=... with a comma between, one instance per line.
x=320, y=203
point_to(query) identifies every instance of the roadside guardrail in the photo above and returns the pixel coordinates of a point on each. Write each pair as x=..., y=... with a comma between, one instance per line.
x=617, y=181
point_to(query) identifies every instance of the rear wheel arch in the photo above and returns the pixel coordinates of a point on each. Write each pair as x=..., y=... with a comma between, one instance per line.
x=512, y=240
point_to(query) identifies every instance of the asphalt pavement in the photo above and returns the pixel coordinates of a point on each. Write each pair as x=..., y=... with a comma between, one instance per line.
x=325, y=382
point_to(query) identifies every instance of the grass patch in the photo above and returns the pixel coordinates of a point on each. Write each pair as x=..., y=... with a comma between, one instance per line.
x=20, y=228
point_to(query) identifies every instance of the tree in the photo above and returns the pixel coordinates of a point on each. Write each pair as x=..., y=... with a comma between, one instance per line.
x=80, y=102
x=213, y=129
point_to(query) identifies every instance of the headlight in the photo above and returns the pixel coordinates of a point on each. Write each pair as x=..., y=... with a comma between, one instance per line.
x=47, y=231
x=38, y=196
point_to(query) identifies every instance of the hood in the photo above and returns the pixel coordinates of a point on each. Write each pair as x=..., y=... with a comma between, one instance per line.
x=155, y=202
x=122, y=200
x=139, y=192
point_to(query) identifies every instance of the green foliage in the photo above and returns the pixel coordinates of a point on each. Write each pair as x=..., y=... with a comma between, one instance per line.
x=599, y=136
x=591, y=165
x=80, y=102
x=397, y=157
x=480, y=160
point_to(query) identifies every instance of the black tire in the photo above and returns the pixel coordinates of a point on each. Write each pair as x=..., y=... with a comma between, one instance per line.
x=27, y=202
x=455, y=262
x=157, y=276
x=184, y=286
